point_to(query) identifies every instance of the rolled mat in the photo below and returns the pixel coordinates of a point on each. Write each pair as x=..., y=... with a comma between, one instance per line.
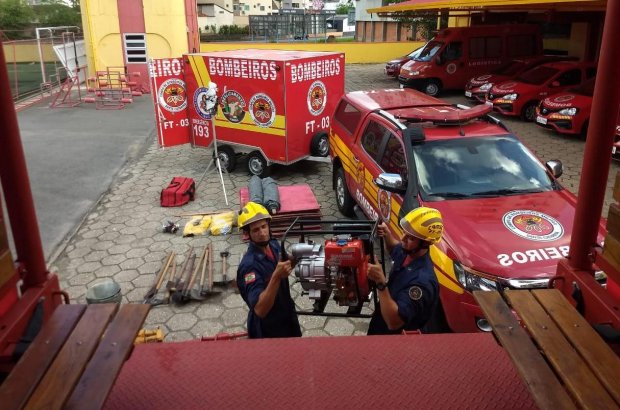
x=271, y=196
x=255, y=189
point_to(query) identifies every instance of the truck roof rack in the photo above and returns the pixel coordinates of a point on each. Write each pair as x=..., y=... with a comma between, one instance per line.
x=459, y=116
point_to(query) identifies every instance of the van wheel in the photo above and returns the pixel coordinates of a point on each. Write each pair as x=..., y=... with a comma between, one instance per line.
x=344, y=200
x=228, y=160
x=528, y=113
x=257, y=164
x=319, y=146
x=432, y=88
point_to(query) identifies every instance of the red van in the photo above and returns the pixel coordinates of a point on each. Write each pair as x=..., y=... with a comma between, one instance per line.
x=521, y=96
x=477, y=87
x=457, y=54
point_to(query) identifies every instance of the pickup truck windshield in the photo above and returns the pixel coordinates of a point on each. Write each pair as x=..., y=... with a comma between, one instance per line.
x=478, y=167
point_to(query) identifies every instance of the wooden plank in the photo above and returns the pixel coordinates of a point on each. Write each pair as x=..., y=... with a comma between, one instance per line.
x=603, y=362
x=613, y=221
x=21, y=382
x=540, y=379
x=105, y=365
x=568, y=364
x=63, y=374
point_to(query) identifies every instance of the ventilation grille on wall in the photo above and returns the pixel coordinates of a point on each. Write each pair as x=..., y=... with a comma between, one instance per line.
x=135, y=47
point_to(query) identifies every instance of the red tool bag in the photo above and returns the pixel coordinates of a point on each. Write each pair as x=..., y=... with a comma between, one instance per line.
x=179, y=192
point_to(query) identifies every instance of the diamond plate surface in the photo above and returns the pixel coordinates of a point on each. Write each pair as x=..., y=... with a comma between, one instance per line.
x=465, y=371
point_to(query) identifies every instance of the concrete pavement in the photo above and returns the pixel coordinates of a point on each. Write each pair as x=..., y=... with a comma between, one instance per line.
x=121, y=236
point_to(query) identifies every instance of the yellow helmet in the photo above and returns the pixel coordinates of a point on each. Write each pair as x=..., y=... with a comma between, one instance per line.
x=252, y=212
x=424, y=223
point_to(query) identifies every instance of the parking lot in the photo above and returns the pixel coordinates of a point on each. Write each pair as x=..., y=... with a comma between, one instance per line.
x=122, y=237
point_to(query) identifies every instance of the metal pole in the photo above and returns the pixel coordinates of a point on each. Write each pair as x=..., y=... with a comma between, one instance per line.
x=16, y=186
x=599, y=142
x=43, y=76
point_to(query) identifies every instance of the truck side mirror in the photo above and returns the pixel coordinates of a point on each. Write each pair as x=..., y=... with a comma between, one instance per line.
x=555, y=167
x=391, y=182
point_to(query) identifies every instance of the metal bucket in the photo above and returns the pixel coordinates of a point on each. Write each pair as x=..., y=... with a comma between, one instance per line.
x=105, y=291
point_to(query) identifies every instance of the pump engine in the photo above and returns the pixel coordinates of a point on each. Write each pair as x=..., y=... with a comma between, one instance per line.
x=339, y=266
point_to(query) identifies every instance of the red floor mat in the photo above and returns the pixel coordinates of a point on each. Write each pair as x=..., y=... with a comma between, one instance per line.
x=450, y=371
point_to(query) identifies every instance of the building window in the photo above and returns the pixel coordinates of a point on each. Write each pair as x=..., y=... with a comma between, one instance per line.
x=295, y=5
x=262, y=8
x=246, y=7
x=135, y=47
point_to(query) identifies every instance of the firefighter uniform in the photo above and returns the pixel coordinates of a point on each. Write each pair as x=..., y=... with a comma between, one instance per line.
x=253, y=276
x=415, y=290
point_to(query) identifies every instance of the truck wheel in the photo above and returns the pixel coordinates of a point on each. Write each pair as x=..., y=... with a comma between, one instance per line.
x=528, y=113
x=319, y=146
x=228, y=160
x=432, y=88
x=257, y=165
x=344, y=200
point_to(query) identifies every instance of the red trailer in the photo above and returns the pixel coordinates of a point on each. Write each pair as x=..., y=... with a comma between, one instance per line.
x=274, y=105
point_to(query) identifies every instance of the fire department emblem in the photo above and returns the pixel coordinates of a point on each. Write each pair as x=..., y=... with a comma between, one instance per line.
x=415, y=293
x=385, y=204
x=205, y=102
x=563, y=98
x=232, y=104
x=533, y=225
x=262, y=110
x=317, y=98
x=172, y=96
x=451, y=68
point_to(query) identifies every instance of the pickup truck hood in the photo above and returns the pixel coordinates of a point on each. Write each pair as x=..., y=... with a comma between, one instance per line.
x=519, y=236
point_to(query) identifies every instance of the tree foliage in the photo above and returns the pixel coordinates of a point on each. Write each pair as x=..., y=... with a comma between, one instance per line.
x=54, y=13
x=15, y=18
x=343, y=8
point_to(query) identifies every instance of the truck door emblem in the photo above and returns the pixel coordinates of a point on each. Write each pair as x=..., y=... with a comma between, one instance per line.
x=533, y=225
x=232, y=106
x=317, y=98
x=262, y=110
x=451, y=68
x=384, y=200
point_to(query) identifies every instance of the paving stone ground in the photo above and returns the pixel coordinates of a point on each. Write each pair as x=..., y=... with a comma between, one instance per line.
x=122, y=237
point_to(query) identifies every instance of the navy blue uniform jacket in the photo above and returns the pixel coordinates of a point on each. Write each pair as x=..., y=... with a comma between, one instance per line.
x=253, y=275
x=415, y=290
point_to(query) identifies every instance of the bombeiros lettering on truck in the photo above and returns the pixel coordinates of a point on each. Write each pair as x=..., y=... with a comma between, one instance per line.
x=314, y=70
x=507, y=220
x=242, y=68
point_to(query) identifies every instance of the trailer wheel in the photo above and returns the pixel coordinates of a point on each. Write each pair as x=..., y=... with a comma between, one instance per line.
x=257, y=165
x=344, y=200
x=228, y=159
x=319, y=146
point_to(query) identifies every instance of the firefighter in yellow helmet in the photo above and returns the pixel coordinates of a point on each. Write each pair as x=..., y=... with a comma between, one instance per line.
x=262, y=279
x=410, y=296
